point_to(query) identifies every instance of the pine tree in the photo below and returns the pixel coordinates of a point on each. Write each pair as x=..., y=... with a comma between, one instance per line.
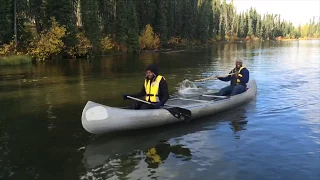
x=106, y=16
x=216, y=17
x=63, y=12
x=37, y=11
x=203, y=21
x=170, y=18
x=189, y=17
x=145, y=10
x=133, y=31
x=6, y=21
x=177, y=17
x=121, y=22
x=161, y=20
x=91, y=25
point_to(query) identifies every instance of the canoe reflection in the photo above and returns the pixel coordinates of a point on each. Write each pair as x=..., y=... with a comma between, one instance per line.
x=133, y=152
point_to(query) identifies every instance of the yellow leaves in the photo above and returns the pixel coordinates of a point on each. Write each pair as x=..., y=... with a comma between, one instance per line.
x=48, y=43
x=83, y=46
x=174, y=41
x=107, y=44
x=148, y=40
x=8, y=49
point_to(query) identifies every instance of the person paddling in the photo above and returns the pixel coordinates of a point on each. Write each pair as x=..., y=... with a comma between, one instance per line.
x=154, y=89
x=239, y=78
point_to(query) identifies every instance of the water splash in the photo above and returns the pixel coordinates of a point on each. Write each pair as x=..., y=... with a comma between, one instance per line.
x=187, y=87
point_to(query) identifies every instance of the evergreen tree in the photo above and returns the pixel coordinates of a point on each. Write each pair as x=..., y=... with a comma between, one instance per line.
x=189, y=17
x=106, y=16
x=258, y=28
x=91, y=25
x=177, y=17
x=133, y=31
x=250, y=22
x=63, y=12
x=37, y=12
x=216, y=17
x=6, y=21
x=161, y=20
x=170, y=18
x=145, y=10
x=203, y=21
x=121, y=22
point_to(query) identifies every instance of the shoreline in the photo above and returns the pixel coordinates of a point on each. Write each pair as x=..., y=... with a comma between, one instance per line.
x=179, y=48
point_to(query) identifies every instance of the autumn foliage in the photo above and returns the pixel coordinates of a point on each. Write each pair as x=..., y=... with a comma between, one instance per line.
x=107, y=45
x=48, y=43
x=149, y=40
x=82, y=48
x=8, y=49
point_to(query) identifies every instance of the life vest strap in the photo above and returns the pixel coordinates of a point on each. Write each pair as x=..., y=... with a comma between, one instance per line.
x=152, y=95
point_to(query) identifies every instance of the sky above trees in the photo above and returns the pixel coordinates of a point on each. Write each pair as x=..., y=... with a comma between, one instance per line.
x=296, y=11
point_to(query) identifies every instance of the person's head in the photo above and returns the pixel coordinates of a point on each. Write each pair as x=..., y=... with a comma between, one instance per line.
x=238, y=63
x=151, y=71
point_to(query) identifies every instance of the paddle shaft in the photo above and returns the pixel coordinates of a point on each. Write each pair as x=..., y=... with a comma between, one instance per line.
x=144, y=101
x=213, y=77
x=180, y=113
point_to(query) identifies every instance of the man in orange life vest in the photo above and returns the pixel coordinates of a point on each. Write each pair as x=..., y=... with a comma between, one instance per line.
x=155, y=90
x=239, y=80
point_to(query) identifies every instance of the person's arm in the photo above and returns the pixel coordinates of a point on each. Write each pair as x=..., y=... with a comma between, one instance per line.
x=138, y=95
x=141, y=93
x=164, y=91
x=228, y=78
x=244, y=76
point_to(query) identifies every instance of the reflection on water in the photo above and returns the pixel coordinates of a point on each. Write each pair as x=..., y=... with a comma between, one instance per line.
x=275, y=136
x=113, y=156
x=156, y=155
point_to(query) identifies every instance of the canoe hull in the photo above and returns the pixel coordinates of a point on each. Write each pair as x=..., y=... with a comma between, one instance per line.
x=100, y=119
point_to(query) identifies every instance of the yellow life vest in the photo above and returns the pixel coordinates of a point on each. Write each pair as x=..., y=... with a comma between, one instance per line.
x=239, y=73
x=152, y=89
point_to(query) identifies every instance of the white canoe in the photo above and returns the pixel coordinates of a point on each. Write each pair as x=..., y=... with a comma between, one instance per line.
x=100, y=119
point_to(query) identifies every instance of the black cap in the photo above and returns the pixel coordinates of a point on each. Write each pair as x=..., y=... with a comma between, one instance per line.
x=153, y=68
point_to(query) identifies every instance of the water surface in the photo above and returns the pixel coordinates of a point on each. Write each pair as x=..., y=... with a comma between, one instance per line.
x=275, y=136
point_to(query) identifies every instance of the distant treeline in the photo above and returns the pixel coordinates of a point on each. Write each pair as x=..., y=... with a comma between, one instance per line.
x=79, y=27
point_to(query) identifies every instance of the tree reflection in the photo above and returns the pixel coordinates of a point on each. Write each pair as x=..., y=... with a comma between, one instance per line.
x=160, y=152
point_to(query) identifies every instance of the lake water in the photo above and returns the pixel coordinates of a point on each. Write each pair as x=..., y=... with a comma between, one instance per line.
x=274, y=136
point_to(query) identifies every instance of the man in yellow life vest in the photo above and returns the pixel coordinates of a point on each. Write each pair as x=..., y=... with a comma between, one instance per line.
x=154, y=89
x=239, y=78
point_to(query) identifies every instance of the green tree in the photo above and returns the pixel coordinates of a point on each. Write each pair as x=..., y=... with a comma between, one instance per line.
x=121, y=22
x=133, y=31
x=63, y=12
x=204, y=14
x=91, y=24
x=6, y=21
x=161, y=20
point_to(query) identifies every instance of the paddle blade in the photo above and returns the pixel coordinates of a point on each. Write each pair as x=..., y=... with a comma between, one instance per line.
x=180, y=113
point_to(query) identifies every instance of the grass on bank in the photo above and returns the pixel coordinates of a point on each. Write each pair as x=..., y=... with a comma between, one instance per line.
x=15, y=60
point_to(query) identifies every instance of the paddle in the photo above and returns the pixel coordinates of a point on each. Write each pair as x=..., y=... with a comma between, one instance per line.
x=180, y=113
x=212, y=77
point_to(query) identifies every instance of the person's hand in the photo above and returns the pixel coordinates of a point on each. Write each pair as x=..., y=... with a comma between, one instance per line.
x=158, y=105
x=235, y=74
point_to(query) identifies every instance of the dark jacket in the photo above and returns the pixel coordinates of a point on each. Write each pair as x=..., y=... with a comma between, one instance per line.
x=243, y=80
x=163, y=91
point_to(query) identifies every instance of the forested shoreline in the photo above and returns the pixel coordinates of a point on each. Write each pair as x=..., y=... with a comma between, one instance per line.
x=47, y=29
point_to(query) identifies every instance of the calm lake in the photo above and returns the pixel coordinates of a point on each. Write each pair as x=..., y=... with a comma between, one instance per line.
x=274, y=136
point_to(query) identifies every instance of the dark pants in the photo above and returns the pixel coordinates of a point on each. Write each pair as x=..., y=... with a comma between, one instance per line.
x=141, y=105
x=232, y=90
